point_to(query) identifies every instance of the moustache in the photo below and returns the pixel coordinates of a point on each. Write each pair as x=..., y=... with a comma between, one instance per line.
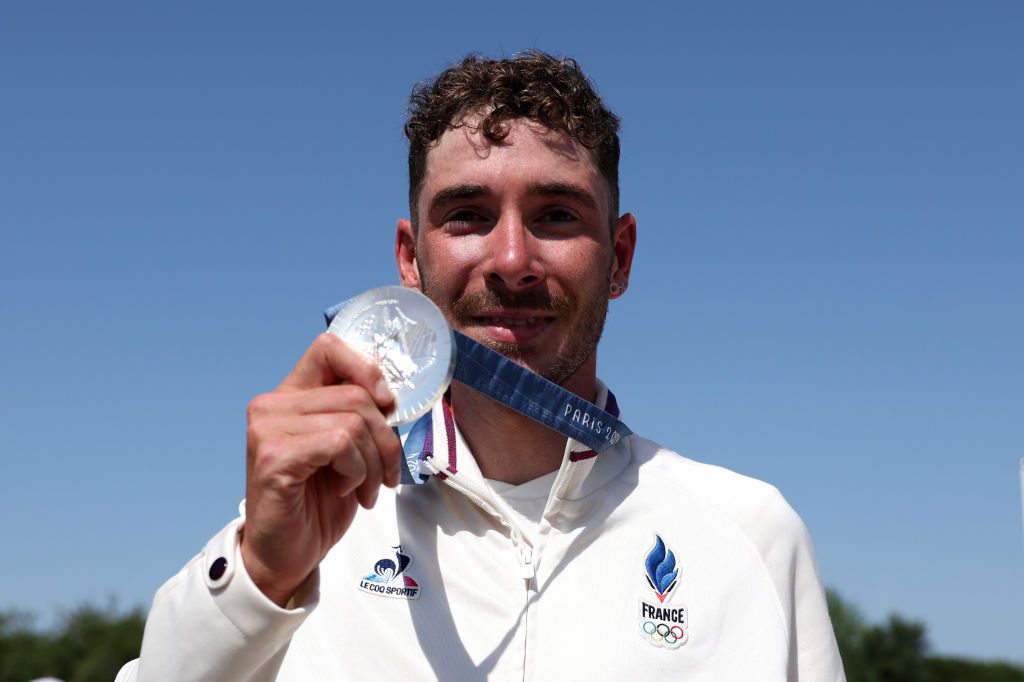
x=473, y=303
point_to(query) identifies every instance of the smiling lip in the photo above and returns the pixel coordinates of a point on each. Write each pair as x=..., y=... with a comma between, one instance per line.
x=513, y=326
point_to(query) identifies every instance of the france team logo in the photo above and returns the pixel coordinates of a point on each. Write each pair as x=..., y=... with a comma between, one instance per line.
x=389, y=578
x=661, y=625
x=662, y=573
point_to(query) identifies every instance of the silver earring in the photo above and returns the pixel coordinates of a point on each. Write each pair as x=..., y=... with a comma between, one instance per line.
x=617, y=289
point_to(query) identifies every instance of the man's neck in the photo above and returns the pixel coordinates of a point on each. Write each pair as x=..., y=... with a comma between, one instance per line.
x=509, y=447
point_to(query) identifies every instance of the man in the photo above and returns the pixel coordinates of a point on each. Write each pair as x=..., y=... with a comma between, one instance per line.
x=526, y=554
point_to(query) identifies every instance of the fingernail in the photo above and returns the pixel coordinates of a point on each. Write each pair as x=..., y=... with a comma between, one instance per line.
x=382, y=391
x=373, y=498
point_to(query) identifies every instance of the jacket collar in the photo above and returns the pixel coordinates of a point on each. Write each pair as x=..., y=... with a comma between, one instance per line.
x=582, y=470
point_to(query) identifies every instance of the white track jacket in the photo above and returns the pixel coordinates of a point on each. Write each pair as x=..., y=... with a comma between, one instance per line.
x=646, y=565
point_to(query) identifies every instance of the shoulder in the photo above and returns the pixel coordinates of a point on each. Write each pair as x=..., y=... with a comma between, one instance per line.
x=751, y=519
x=756, y=508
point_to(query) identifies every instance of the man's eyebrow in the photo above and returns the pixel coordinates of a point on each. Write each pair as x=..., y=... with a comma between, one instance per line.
x=555, y=190
x=457, y=192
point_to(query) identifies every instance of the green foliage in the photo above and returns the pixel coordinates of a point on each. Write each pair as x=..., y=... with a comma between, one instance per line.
x=959, y=670
x=89, y=645
x=849, y=626
x=897, y=651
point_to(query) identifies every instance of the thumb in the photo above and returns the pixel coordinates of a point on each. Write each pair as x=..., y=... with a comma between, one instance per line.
x=329, y=361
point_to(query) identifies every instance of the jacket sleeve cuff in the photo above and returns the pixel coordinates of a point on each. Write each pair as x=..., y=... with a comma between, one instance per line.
x=211, y=622
x=241, y=601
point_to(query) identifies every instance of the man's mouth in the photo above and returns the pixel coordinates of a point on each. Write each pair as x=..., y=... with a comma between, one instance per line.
x=510, y=321
x=514, y=328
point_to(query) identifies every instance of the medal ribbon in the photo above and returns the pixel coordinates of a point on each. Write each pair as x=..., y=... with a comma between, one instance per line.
x=519, y=389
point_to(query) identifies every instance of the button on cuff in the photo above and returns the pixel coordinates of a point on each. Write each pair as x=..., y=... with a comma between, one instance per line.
x=218, y=559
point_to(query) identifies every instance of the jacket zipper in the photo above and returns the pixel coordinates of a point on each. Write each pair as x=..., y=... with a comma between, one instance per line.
x=481, y=496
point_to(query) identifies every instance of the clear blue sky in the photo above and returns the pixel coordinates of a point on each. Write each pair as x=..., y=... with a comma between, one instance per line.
x=827, y=292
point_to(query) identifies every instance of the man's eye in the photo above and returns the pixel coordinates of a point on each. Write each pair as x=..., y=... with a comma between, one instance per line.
x=464, y=219
x=558, y=215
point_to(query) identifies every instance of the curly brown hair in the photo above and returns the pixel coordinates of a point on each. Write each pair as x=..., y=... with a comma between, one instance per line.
x=534, y=85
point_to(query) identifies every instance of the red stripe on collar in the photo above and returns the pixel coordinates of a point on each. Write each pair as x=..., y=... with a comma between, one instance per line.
x=449, y=429
x=580, y=456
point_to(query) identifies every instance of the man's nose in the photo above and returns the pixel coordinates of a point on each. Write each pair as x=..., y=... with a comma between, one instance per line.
x=515, y=262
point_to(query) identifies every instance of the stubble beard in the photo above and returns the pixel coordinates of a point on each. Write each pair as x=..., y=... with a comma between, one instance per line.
x=577, y=346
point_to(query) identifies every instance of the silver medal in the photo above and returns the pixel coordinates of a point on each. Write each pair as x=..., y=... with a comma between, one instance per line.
x=403, y=332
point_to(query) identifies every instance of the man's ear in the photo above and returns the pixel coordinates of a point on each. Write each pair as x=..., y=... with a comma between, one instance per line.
x=405, y=255
x=623, y=246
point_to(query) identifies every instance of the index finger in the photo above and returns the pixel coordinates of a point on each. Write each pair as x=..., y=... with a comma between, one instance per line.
x=328, y=361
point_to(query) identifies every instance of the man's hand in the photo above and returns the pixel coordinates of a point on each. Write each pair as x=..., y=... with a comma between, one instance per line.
x=318, y=446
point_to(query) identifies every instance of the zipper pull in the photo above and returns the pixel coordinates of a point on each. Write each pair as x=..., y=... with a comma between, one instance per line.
x=526, y=561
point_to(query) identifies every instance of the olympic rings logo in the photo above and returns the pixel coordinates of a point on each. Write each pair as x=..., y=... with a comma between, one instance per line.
x=662, y=633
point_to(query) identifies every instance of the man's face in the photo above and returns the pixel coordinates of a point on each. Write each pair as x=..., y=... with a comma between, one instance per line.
x=513, y=244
